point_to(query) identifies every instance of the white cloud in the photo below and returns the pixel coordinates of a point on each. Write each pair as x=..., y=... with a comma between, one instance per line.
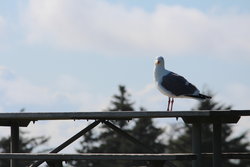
x=59, y=131
x=235, y=94
x=112, y=29
x=16, y=90
x=242, y=126
x=66, y=93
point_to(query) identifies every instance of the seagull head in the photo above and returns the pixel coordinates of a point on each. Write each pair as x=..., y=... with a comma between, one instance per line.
x=159, y=69
x=159, y=61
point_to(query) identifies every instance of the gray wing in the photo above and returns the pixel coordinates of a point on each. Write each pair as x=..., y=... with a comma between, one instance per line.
x=178, y=85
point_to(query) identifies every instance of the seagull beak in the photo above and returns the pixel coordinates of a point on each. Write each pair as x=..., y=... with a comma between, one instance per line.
x=157, y=62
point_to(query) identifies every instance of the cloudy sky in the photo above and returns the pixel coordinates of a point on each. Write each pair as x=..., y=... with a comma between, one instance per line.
x=71, y=55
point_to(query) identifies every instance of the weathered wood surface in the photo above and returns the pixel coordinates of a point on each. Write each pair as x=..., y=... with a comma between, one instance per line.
x=96, y=156
x=117, y=156
x=232, y=155
x=32, y=116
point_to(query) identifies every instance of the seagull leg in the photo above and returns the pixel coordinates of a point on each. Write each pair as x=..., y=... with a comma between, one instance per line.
x=172, y=102
x=169, y=100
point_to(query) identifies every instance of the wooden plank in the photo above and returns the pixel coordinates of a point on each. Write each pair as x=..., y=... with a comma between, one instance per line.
x=211, y=119
x=236, y=155
x=112, y=156
x=232, y=155
x=96, y=156
x=10, y=122
x=97, y=115
x=32, y=116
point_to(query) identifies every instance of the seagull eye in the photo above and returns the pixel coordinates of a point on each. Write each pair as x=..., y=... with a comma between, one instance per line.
x=157, y=62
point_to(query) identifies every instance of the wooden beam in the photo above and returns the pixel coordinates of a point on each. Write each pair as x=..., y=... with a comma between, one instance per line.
x=96, y=156
x=9, y=122
x=114, y=115
x=231, y=155
x=120, y=156
x=236, y=155
x=97, y=115
x=211, y=119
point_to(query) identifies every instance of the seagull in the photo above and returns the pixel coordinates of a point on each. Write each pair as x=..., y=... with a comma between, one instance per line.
x=174, y=85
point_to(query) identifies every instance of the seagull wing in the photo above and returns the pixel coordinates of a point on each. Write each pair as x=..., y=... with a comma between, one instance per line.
x=178, y=85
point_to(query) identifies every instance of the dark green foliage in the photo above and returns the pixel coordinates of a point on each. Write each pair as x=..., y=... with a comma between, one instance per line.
x=109, y=141
x=26, y=145
x=145, y=130
x=229, y=144
x=121, y=102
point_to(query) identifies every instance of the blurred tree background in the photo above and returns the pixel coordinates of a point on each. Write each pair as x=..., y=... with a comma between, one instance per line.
x=26, y=145
x=183, y=143
x=109, y=141
x=145, y=130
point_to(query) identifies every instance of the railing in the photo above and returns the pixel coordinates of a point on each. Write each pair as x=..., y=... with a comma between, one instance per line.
x=196, y=118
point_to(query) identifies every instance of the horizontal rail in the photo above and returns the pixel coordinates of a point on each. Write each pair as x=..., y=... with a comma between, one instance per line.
x=96, y=156
x=32, y=116
x=116, y=156
x=242, y=155
x=96, y=115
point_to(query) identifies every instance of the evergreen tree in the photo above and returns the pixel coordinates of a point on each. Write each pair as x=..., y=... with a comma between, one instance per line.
x=110, y=142
x=121, y=102
x=148, y=134
x=26, y=145
x=229, y=144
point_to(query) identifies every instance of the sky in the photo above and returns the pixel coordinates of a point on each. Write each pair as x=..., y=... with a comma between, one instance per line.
x=71, y=55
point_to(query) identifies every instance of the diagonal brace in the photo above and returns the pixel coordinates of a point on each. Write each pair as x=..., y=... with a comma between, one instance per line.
x=134, y=140
x=128, y=136
x=69, y=141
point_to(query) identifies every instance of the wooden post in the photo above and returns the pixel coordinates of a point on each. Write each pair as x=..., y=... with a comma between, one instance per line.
x=196, y=144
x=14, y=143
x=217, y=144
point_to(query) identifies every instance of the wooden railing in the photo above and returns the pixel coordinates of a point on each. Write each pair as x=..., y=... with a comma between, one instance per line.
x=196, y=118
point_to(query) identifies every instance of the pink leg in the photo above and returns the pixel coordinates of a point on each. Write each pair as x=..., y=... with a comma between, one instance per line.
x=172, y=102
x=169, y=100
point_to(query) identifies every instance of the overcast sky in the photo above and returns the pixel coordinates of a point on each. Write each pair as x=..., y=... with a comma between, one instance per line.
x=71, y=55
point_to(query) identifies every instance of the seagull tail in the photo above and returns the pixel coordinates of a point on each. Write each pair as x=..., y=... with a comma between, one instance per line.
x=200, y=97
